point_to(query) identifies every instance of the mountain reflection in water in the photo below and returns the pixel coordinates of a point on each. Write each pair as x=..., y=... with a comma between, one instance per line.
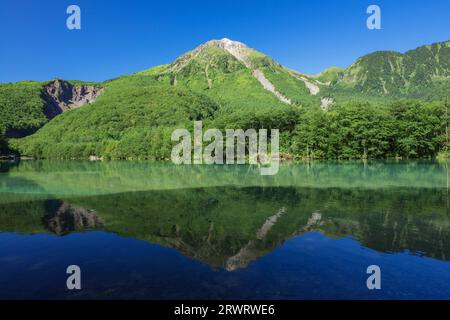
x=230, y=227
x=397, y=209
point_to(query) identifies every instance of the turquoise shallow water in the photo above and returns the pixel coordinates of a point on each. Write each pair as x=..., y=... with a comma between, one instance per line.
x=154, y=230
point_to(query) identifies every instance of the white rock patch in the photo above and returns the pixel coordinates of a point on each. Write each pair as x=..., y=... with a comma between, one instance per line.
x=313, y=89
x=237, y=50
x=269, y=86
x=325, y=103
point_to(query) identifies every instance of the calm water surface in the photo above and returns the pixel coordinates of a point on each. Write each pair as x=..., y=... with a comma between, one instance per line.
x=144, y=230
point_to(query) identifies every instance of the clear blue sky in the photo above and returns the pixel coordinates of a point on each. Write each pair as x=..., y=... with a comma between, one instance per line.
x=120, y=37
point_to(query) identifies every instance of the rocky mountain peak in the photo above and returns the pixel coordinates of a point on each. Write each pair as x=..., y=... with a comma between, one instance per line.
x=228, y=44
x=225, y=56
x=237, y=49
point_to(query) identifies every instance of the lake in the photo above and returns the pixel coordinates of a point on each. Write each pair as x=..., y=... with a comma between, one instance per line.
x=149, y=230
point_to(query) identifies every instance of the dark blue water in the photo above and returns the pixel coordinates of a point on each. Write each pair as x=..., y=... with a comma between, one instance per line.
x=310, y=266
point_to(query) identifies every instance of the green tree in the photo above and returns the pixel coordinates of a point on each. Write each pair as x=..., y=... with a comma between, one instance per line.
x=418, y=128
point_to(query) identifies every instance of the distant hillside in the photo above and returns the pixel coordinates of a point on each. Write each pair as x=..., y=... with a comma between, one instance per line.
x=420, y=73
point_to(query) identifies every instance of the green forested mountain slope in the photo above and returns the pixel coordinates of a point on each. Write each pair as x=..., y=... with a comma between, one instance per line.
x=229, y=85
x=231, y=73
x=136, y=113
x=131, y=120
x=422, y=72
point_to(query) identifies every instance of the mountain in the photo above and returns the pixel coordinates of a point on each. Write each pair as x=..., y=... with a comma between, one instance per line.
x=221, y=78
x=225, y=83
x=236, y=75
x=422, y=72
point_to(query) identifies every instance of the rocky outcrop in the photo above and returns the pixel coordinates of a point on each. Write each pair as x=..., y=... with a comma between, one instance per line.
x=61, y=95
x=64, y=218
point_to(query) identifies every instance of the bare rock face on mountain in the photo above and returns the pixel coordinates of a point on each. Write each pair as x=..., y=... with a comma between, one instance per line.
x=237, y=49
x=60, y=96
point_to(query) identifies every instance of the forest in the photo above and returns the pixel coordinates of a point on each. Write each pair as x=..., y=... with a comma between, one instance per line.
x=405, y=129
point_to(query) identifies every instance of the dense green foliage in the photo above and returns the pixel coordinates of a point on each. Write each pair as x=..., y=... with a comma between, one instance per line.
x=407, y=129
x=403, y=129
x=21, y=106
